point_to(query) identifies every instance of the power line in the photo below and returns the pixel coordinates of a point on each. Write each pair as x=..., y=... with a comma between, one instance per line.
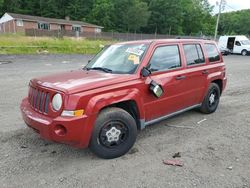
x=230, y=7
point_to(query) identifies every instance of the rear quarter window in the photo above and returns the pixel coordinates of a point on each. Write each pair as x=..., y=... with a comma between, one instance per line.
x=212, y=52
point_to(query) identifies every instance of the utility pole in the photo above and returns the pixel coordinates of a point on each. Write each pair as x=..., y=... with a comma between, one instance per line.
x=218, y=19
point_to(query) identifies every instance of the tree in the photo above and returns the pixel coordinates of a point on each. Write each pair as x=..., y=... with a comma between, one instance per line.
x=176, y=17
x=197, y=17
x=1, y=8
x=166, y=17
x=137, y=16
x=102, y=14
x=121, y=8
x=235, y=23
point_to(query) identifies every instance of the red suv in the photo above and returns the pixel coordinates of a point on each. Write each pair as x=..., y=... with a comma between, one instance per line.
x=124, y=88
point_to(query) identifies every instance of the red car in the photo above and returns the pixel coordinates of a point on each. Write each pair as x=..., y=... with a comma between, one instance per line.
x=124, y=88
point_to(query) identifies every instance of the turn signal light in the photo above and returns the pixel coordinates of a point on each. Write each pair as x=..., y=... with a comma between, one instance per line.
x=72, y=113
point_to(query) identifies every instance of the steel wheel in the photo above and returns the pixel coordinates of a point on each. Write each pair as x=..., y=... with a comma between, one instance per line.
x=113, y=134
x=244, y=52
x=211, y=100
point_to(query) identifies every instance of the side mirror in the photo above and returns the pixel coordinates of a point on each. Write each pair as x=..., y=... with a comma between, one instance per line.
x=156, y=89
x=145, y=72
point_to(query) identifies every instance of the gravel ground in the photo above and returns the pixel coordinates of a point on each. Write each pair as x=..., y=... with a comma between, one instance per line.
x=215, y=152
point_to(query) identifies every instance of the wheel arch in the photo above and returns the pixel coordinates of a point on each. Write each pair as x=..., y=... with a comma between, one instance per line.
x=219, y=82
x=244, y=50
x=129, y=106
x=128, y=100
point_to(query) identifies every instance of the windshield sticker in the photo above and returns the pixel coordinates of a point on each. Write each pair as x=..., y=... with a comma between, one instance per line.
x=134, y=59
x=135, y=51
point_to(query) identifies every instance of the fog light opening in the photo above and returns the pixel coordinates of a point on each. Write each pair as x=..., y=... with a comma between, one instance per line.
x=60, y=130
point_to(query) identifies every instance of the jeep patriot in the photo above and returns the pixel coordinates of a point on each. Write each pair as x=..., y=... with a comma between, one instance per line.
x=123, y=89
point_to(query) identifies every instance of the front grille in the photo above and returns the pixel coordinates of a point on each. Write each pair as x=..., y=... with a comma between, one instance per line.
x=39, y=99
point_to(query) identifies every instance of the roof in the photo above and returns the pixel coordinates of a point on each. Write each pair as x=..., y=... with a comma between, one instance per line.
x=51, y=20
x=166, y=41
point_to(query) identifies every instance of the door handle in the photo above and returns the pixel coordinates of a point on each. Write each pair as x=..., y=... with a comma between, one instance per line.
x=205, y=72
x=181, y=77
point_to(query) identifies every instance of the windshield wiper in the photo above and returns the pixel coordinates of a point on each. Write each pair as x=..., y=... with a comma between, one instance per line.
x=100, y=68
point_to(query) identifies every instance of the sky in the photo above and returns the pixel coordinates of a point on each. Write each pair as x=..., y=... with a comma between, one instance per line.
x=231, y=5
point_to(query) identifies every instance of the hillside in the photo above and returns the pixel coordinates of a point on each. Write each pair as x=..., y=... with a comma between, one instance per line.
x=237, y=22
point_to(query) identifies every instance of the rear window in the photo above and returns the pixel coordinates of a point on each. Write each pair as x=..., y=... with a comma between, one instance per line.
x=213, y=54
x=194, y=54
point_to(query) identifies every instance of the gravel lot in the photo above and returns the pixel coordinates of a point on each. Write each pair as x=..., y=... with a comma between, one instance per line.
x=215, y=152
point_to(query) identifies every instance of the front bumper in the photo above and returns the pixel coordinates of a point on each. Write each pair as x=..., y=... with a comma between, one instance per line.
x=77, y=132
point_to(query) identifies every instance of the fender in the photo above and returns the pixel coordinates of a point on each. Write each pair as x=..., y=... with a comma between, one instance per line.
x=98, y=102
x=214, y=76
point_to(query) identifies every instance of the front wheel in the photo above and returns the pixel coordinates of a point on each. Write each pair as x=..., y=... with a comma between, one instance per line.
x=211, y=100
x=244, y=52
x=114, y=133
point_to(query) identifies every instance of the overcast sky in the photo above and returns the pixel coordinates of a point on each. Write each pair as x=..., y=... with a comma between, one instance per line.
x=232, y=5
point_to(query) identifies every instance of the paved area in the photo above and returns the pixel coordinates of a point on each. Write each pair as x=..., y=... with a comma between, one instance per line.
x=214, y=148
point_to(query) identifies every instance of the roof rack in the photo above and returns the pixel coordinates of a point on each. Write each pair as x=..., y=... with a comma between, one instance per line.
x=185, y=37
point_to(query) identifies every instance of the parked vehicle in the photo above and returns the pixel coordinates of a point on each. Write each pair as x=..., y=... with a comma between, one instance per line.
x=123, y=89
x=225, y=51
x=236, y=44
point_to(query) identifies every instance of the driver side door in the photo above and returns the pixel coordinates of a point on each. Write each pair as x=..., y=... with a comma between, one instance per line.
x=167, y=71
x=237, y=47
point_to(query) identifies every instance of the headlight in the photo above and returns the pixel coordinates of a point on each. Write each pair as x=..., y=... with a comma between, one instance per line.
x=57, y=102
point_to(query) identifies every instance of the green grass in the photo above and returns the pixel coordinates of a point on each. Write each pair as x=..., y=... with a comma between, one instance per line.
x=19, y=44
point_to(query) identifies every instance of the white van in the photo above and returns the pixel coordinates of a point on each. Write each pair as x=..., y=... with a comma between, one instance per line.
x=238, y=44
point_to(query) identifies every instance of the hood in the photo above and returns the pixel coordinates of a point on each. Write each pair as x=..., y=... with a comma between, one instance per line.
x=247, y=46
x=80, y=80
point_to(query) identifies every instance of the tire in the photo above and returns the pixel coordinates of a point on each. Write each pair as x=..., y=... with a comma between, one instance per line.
x=211, y=100
x=114, y=133
x=244, y=52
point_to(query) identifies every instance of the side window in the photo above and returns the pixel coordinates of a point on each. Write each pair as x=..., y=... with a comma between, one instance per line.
x=44, y=26
x=76, y=28
x=165, y=58
x=19, y=23
x=213, y=54
x=237, y=43
x=194, y=54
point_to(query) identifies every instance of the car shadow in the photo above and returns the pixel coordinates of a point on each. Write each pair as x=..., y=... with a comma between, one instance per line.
x=28, y=142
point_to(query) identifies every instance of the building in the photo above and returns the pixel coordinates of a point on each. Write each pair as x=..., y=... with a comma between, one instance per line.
x=13, y=23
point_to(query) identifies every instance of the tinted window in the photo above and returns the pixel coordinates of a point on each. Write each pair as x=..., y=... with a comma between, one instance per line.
x=194, y=54
x=237, y=43
x=164, y=58
x=213, y=54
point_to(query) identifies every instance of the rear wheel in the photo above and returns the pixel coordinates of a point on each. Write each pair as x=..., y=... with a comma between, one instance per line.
x=114, y=133
x=211, y=101
x=244, y=52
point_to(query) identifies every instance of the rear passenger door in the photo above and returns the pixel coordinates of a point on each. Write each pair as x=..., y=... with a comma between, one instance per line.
x=196, y=72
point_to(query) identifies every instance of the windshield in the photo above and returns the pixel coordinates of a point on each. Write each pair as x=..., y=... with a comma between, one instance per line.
x=245, y=42
x=118, y=58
